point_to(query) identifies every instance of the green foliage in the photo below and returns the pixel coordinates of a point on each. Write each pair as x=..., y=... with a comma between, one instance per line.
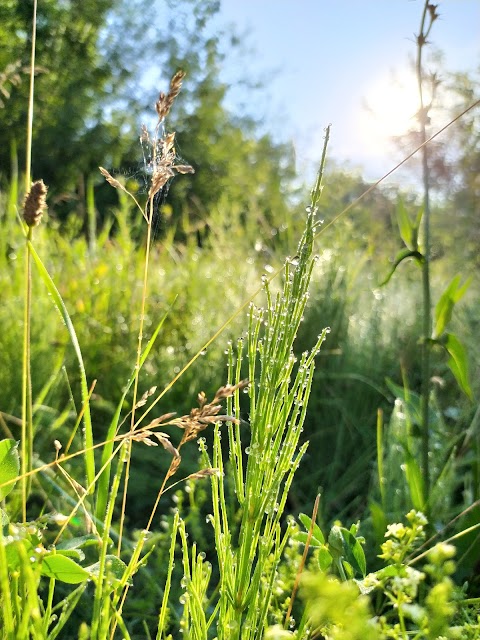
x=343, y=552
x=248, y=558
x=337, y=610
x=67, y=40
x=96, y=577
x=9, y=466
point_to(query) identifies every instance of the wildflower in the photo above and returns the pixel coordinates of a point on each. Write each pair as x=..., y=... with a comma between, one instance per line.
x=396, y=530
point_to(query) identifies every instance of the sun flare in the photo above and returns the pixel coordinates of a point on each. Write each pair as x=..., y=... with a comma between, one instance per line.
x=390, y=108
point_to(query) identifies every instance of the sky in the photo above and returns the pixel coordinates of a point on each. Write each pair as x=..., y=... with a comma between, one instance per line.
x=344, y=63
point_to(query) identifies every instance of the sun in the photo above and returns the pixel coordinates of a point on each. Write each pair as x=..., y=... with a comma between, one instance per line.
x=390, y=106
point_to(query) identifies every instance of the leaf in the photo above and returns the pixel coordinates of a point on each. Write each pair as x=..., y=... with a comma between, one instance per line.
x=444, y=309
x=335, y=541
x=4, y=519
x=317, y=535
x=458, y=362
x=414, y=480
x=405, y=225
x=302, y=536
x=402, y=255
x=87, y=421
x=411, y=401
x=76, y=554
x=354, y=552
x=325, y=558
x=64, y=569
x=9, y=466
x=77, y=543
x=416, y=228
x=115, y=568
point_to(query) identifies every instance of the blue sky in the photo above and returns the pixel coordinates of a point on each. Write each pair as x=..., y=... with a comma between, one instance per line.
x=325, y=59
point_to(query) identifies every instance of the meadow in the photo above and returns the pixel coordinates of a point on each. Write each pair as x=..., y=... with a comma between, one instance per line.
x=263, y=426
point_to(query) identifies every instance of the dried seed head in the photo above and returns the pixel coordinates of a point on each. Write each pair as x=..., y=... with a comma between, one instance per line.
x=111, y=180
x=204, y=473
x=35, y=203
x=164, y=102
x=143, y=400
x=184, y=168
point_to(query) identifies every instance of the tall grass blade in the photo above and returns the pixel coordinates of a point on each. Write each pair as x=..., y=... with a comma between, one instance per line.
x=87, y=420
x=103, y=482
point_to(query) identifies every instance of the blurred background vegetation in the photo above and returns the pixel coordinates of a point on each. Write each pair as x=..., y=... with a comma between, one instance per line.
x=219, y=230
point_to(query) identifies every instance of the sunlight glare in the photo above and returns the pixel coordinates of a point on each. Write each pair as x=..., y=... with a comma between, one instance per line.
x=390, y=108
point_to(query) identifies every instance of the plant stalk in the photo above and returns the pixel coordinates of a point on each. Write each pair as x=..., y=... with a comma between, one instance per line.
x=426, y=293
x=27, y=404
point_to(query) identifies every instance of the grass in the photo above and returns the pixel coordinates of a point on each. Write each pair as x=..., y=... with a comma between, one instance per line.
x=81, y=518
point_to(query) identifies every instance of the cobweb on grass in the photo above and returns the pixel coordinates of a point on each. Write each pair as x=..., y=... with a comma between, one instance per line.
x=148, y=169
x=153, y=176
x=160, y=159
x=161, y=163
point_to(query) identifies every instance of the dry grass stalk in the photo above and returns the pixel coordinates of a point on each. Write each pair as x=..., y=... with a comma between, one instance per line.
x=35, y=203
x=146, y=436
x=165, y=102
x=192, y=424
x=207, y=412
x=163, y=164
x=144, y=398
x=204, y=473
x=118, y=185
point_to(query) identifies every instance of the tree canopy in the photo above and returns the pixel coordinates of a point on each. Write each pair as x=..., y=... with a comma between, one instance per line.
x=96, y=66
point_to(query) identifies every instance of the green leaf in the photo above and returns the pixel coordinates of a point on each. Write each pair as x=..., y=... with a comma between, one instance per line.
x=379, y=519
x=14, y=556
x=458, y=362
x=9, y=466
x=335, y=541
x=76, y=554
x=444, y=309
x=349, y=571
x=87, y=420
x=302, y=536
x=416, y=228
x=405, y=225
x=115, y=568
x=411, y=401
x=77, y=543
x=414, y=480
x=402, y=255
x=343, y=545
x=4, y=519
x=354, y=552
x=390, y=571
x=316, y=531
x=325, y=558
x=64, y=569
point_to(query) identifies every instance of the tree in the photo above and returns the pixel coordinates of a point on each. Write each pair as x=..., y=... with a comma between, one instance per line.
x=97, y=80
x=72, y=84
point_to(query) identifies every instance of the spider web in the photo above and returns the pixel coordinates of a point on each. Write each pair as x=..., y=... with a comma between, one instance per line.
x=150, y=150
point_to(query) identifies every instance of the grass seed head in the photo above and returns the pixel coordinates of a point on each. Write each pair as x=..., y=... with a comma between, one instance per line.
x=35, y=203
x=165, y=102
